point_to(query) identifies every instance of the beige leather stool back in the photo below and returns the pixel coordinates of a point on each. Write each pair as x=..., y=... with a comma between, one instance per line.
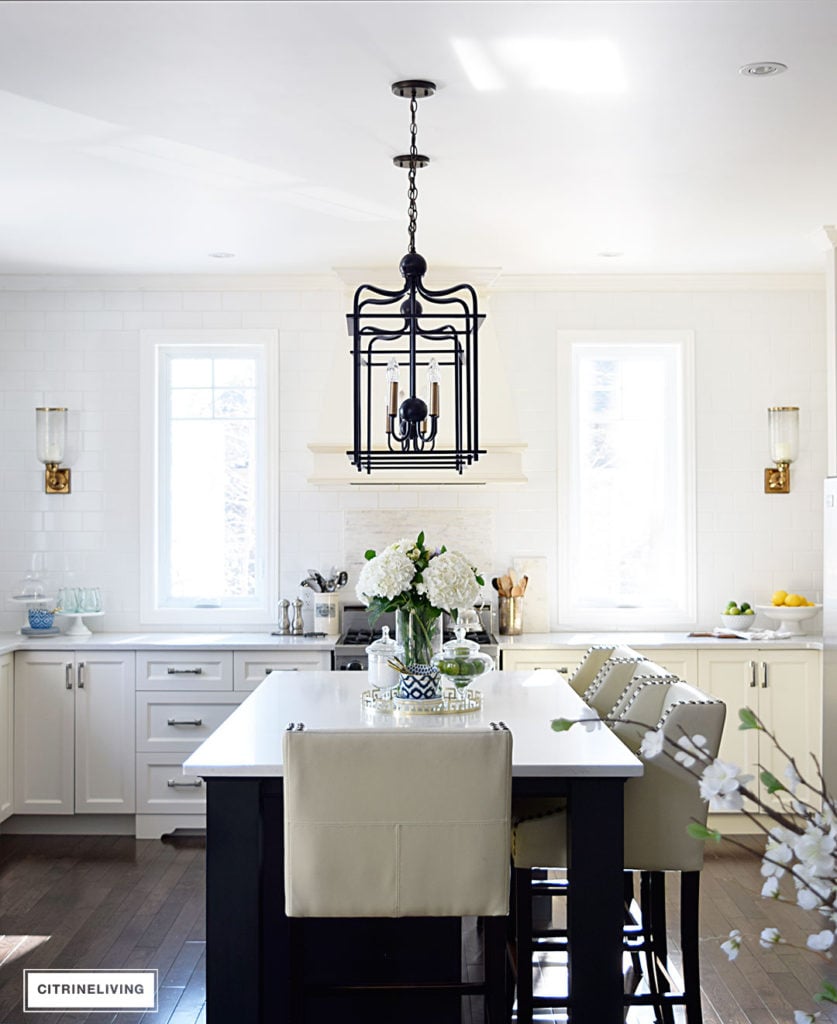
x=586, y=672
x=397, y=823
x=617, y=676
x=661, y=804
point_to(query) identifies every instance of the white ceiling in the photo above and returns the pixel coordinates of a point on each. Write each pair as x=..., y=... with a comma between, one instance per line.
x=140, y=137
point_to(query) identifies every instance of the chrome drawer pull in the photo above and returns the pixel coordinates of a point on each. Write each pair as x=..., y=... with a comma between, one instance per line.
x=280, y=668
x=68, y=676
x=184, y=671
x=185, y=721
x=564, y=669
x=174, y=784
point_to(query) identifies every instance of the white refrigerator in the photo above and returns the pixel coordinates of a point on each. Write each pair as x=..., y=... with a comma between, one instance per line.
x=829, y=633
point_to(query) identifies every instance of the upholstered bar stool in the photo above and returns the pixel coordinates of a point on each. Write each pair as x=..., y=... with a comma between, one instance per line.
x=658, y=808
x=594, y=660
x=400, y=824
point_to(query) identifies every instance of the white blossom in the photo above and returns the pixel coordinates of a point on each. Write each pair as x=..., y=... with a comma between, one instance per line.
x=821, y=941
x=814, y=849
x=721, y=782
x=776, y=855
x=652, y=743
x=733, y=944
x=694, y=748
x=803, y=1017
x=589, y=719
x=770, y=937
x=386, y=575
x=449, y=581
x=770, y=889
x=792, y=778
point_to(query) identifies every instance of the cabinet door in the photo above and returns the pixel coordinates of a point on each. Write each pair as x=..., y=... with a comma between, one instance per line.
x=6, y=737
x=565, y=662
x=104, y=720
x=790, y=705
x=681, y=662
x=732, y=676
x=44, y=732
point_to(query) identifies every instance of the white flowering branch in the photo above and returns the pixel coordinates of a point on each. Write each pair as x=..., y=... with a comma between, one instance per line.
x=801, y=841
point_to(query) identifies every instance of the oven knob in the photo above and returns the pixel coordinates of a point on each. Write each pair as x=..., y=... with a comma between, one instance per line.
x=353, y=666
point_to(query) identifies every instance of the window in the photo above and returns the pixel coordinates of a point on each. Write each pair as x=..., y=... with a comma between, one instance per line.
x=626, y=536
x=209, y=465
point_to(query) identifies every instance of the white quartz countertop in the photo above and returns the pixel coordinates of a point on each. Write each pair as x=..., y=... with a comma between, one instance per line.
x=142, y=641
x=265, y=641
x=538, y=641
x=249, y=742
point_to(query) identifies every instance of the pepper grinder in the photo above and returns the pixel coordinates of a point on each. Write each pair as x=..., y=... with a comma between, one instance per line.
x=298, y=629
x=285, y=624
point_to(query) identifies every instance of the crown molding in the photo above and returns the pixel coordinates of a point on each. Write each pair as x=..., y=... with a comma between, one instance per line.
x=658, y=282
x=168, y=282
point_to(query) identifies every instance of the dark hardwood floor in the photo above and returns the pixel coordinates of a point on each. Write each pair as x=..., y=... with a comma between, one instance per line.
x=102, y=901
x=119, y=902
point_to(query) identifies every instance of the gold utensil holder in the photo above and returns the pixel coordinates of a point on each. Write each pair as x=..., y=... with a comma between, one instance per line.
x=510, y=615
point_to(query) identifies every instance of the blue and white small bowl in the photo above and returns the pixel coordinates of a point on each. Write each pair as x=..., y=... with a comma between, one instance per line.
x=40, y=618
x=420, y=682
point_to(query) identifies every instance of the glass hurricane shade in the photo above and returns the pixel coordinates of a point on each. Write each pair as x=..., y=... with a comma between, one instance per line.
x=50, y=435
x=783, y=427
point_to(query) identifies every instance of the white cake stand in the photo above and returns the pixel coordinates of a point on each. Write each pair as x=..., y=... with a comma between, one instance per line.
x=788, y=618
x=77, y=627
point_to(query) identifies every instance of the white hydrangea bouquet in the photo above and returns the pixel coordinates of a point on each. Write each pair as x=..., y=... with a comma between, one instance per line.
x=418, y=583
x=799, y=863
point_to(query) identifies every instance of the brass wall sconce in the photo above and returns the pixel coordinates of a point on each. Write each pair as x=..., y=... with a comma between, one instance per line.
x=50, y=440
x=783, y=427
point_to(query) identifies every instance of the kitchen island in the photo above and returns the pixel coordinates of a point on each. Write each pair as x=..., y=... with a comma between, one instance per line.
x=247, y=932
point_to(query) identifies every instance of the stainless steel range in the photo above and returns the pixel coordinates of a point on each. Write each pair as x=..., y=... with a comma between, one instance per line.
x=357, y=635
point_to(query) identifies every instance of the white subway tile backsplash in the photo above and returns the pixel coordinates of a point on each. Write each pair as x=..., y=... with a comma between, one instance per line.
x=80, y=348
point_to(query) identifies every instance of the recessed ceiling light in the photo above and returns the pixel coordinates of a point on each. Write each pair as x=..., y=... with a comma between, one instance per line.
x=763, y=69
x=610, y=253
x=222, y=255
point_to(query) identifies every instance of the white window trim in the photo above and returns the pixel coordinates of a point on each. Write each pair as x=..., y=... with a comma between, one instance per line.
x=625, y=618
x=210, y=618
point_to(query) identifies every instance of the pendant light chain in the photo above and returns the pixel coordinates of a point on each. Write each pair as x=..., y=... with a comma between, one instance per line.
x=412, y=190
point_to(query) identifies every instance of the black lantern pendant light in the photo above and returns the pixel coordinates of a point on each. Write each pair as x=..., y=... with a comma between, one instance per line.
x=400, y=420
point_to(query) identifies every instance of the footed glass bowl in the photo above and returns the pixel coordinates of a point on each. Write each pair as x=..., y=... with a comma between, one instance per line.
x=789, y=619
x=462, y=661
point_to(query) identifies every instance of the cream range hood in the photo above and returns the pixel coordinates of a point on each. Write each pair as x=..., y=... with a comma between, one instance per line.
x=499, y=433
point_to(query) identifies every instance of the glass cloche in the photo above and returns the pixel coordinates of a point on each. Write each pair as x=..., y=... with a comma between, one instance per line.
x=382, y=676
x=461, y=660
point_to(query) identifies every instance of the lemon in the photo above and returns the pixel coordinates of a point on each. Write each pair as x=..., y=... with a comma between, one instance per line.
x=779, y=597
x=793, y=601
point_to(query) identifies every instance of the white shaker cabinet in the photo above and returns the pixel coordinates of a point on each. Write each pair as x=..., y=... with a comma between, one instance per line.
x=74, y=732
x=6, y=736
x=564, y=660
x=784, y=688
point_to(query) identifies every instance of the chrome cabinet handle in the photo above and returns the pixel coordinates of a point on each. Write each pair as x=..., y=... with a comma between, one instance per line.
x=764, y=679
x=174, y=784
x=185, y=721
x=753, y=673
x=68, y=676
x=80, y=675
x=280, y=668
x=564, y=669
x=172, y=671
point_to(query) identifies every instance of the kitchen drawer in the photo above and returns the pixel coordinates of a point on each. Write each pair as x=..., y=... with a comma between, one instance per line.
x=162, y=788
x=180, y=721
x=565, y=662
x=184, y=670
x=251, y=668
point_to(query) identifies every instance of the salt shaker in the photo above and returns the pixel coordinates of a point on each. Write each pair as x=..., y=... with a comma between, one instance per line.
x=298, y=629
x=285, y=624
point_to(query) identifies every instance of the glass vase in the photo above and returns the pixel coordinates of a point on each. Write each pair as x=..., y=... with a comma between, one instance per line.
x=420, y=634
